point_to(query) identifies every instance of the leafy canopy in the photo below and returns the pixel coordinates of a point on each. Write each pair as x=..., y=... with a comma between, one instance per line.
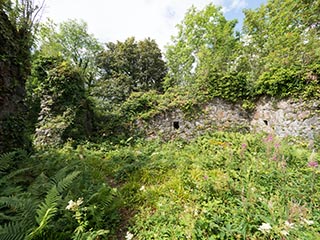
x=72, y=41
x=205, y=40
x=130, y=66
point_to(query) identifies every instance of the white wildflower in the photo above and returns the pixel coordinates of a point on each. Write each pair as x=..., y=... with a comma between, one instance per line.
x=289, y=224
x=73, y=206
x=129, y=236
x=284, y=233
x=196, y=213
x=265, y=227
x=308, y=222
x=143, y=188
x=70, y=205
x=79, y=201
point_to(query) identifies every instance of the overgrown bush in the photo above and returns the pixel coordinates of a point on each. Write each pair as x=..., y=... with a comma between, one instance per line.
x=292, y=82
x=230, y=86
x=280, y=82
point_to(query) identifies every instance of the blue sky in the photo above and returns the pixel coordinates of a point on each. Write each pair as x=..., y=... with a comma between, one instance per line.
x=238, y=14
x=112, y=20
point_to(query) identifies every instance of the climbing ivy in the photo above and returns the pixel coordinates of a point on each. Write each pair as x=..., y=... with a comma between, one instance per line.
x=16, y=26
x=290, y=82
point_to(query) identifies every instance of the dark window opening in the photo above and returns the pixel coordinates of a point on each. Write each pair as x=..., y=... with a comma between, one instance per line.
x=265, y=122
x=176, y=125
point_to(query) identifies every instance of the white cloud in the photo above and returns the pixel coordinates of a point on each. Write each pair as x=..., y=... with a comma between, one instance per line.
x=238, y=4
x=233, y=5
x=111, y=20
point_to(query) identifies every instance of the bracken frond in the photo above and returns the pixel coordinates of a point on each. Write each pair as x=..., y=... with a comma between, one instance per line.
x=49, y=207
x=6, y=159
x=19, y=209
x=103, y=196
x=63, y=184
x=11, y=175
x=12, y=231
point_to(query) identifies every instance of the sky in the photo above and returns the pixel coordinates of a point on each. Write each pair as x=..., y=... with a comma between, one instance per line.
x=112, y=20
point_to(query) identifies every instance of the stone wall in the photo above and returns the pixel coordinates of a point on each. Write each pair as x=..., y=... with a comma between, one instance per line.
x=282, y=118
x=15, y=47
x=287, y=118
x=215, y=115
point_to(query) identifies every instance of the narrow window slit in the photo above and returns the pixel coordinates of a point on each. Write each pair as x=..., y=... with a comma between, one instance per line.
x=176, y=125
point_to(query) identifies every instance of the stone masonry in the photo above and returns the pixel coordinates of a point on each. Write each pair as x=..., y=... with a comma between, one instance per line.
x=280, y=117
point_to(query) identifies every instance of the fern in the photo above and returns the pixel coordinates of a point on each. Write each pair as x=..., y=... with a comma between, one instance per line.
x=5, y=217
x=6, y=159
x=12, y=231
x=12, y=202
x=9, y=177
x=103, y=196
x=66, y=182
x=46, y=211
x=5, y=179
x=49, y=207
x=62, y=173
x=20, y=212
x=10, y=190
x=90, y=235
x=22, y=209
x=40, y=187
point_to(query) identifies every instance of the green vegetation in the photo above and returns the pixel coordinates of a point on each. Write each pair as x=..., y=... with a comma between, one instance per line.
x=90, y=175
x=15, y=59
x=128, y=67
x=54, y=189
x=218, y=186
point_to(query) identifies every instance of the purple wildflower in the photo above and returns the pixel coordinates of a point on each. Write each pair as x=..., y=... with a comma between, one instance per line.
x=205, y=177
x=313, y=164
x=269, y=138
x=244, y=146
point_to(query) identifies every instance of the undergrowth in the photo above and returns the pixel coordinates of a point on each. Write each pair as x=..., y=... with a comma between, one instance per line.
x=54, y=194
x=218, y=186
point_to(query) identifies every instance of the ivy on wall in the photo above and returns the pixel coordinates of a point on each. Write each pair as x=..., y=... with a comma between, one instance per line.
x=15, y=42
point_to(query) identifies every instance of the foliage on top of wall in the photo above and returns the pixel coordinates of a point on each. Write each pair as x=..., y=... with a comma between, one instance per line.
x=146, y=105
x=290, y=82
x=60, y=80
x=231, y=86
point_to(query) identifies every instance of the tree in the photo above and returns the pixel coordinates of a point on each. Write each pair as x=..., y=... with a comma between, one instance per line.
x=282, y=34
x=72, y=41
x=151, y=68
x=205, y=41
x=128, y=67
x=63, y=73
